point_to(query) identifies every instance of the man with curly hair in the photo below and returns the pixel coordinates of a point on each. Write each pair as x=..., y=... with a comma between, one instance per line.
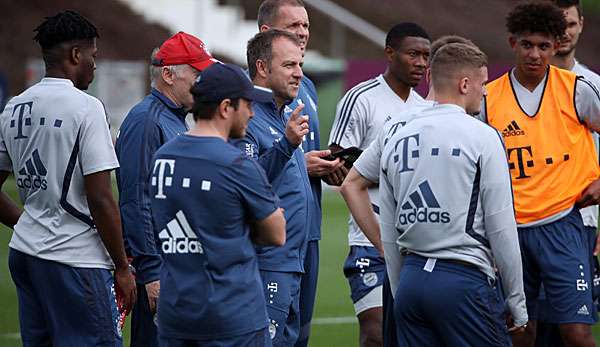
x=545, y=115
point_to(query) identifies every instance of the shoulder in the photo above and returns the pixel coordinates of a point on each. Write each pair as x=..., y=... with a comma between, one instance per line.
x=363, y=89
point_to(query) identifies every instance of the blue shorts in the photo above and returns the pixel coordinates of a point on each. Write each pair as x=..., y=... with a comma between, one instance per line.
x=557, y=255
x=454, y=305
x=258, y=338
x=365, y=270
x=308, y=291
x=282, y=293
x=60, y=305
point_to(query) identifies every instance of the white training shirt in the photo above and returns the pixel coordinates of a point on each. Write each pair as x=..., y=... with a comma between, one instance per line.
x=52, y=135
x=360, y=115
x=445, y=193
x=590, y=213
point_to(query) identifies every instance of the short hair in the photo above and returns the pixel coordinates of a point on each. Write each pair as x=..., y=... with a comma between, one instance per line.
x=564, y=4
x=453, y=59
x=401, y=31
x=260, y=47
x=536, y=17
x=66, y=26
x=206, y=110
x=268, y=10
x=447, y=39
x=156, y=71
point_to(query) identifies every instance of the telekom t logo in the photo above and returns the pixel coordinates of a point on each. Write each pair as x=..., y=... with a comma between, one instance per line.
x=22, y=118
x=162, y=178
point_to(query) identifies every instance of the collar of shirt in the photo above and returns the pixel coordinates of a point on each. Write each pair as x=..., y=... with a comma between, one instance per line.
x=177, y=110
x=55, y=80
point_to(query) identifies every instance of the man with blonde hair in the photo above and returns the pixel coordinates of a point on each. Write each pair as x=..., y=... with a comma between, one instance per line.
x=447, y=217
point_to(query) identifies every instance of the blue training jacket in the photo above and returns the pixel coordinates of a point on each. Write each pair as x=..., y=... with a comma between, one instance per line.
x=307, y=95
x=286, y=171
x=149, y=124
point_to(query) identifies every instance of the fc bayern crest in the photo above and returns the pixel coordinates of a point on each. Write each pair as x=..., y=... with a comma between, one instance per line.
x=370, y=279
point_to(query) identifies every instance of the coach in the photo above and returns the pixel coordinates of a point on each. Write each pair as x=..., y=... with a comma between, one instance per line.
x=159, y=117
x=274, y=62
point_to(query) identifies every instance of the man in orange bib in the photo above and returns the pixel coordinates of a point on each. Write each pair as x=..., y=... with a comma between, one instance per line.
x=545, y=115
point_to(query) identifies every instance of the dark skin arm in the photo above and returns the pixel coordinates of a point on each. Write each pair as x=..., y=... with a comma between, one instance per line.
x=336, y=177
x=9, y=211
x=106, y=215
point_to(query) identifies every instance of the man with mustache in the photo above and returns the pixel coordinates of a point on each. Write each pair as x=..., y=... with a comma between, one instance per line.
x=360, y=115
x=273, y=139
x=545, y=115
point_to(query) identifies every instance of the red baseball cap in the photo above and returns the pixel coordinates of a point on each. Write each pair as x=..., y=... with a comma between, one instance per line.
x=183, y=48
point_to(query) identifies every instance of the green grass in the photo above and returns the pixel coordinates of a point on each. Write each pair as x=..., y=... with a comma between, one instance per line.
x=333, y=298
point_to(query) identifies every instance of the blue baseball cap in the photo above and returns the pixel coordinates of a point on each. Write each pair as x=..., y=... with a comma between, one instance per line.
x=227, y=81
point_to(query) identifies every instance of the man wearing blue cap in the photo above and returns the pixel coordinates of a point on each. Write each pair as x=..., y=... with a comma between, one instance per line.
x=210, y=203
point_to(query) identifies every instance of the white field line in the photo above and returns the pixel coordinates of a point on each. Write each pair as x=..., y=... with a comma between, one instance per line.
x=315, y=321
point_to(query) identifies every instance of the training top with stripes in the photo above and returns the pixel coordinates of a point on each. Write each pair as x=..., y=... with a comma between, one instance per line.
x=359, y=117
x=445, y=193
x=52, y=135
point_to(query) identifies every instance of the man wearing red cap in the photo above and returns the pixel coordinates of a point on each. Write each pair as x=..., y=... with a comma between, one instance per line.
x=159, y=117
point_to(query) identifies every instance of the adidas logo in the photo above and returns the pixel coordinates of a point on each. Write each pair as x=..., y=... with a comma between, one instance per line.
x=32, y=173
x=179, y=238
x=512, y=129
x=423, y=207
x=583, y=311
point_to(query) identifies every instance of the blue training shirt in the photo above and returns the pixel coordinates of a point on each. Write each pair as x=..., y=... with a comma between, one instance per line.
x=286, y=170
x=204, y=192
x=149, y=124
x=307, y=95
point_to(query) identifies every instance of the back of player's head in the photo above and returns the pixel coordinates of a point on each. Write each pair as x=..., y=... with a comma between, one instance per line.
x=536, y=18
x=399, y=32
x=260, y=47
x=564, y=4
x=447, y=39
x=268, y=10
x=454, y=61
x=63, y=27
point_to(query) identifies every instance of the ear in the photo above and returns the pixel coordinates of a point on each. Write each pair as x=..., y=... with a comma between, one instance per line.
x=75, y=55
x=224, y=108
x=463, y=85
x=581, y=24
x=167, y=75
x=264, y=28
x=512, y=41
x=262, y=68
x=389, y=53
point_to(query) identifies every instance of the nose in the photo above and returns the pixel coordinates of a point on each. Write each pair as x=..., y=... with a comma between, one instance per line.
x=302, y=32
x=421, y=61
x=298, y=72
x=534, y=53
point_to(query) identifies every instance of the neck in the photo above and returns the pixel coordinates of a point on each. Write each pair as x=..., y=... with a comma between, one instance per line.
x=564, y=61
x=57, y=72
x=279, y=102
x=446, y=98
x=400, y=88
x=164, y=90
x=528, y=81
x=209, y=128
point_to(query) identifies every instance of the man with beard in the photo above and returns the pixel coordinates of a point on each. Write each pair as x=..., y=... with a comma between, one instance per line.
x=359, y=117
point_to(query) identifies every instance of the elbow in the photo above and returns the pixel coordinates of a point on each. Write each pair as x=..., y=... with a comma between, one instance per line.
x=346, y=188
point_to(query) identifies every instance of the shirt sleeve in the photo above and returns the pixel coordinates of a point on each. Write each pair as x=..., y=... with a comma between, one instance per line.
x=5, y=162
x=256, y=192
x=136, y=149
x=350, y=123
x=273, y=159
x=368, y=163
x=500, y=225
x=587, y=103
x=96, y=147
